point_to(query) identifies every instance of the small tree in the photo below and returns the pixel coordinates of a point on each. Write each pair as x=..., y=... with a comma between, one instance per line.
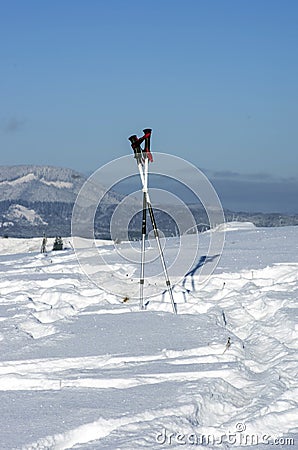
x=58, y=243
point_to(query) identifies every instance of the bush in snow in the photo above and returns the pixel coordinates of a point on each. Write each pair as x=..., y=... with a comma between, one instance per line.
x=58, y=243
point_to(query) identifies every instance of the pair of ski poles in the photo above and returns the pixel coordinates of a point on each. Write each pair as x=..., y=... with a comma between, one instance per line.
x=143, y=156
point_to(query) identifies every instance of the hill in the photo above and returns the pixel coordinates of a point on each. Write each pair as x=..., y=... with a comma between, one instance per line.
x=39, y=184
x=40, y=199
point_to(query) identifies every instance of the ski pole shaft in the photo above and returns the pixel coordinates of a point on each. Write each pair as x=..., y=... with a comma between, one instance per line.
x=144, y=180
x=142, y=274
x=161, y=255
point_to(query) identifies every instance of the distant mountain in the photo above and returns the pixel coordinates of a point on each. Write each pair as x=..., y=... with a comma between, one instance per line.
x=39, y=199
x=17, y=212
x=39, y=183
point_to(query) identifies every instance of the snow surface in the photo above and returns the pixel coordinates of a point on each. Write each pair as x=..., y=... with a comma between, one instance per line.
x=58, y=184
x=21, y=212
x=31, y=177
x=24, y=179
x=83, y=368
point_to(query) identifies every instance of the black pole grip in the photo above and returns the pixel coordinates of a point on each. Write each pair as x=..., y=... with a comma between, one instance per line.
x=136, y=146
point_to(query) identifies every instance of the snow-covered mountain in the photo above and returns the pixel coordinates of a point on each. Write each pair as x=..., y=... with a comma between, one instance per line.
x=82, y=367
x=39, y=199
x=20, y=212
x=39, y=183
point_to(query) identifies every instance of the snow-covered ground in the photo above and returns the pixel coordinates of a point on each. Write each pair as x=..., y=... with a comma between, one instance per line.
x=84, y=368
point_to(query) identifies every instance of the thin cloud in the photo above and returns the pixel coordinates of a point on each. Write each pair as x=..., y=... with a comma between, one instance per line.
x=11, y=125
x=227, y=174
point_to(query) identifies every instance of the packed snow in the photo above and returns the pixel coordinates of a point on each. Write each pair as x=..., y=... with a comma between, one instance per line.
x=58, y=184
x=32, y=177
x=20, y=180
x=21, y=212
x=82, y=367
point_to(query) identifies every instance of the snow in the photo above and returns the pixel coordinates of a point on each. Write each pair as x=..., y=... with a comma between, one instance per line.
x=21, y=212
x=20, y=180
x=32, y=177
x=84, y=368
x=235, y=226
x=58, y=184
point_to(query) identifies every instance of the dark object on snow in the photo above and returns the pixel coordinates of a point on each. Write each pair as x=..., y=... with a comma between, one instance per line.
x=43, y=244
x=224, y=318
x=228, y=344
x=58, y=243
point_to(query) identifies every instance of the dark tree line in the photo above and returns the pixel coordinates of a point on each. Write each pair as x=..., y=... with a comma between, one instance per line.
x=57, y=216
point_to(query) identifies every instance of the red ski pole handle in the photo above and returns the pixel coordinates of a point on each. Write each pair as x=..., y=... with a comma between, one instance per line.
x=147, y=138
x=136, y=145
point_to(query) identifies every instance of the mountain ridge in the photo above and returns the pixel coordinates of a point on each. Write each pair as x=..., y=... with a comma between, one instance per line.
x=39, y=183
x=39, y=199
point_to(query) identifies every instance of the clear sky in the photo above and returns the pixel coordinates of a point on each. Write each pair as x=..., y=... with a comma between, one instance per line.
x=217, y=80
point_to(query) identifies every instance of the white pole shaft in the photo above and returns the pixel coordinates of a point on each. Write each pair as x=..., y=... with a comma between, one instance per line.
x=144, y=179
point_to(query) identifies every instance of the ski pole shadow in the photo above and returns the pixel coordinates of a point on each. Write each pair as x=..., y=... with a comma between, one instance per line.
x=202, y=261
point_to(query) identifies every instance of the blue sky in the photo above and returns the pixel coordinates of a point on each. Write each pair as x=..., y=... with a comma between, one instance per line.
x=217, y=80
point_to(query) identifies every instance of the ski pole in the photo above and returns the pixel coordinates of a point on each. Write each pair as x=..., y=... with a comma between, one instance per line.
x=147, y=136
x=142, y=274
x=136, y=146
x=135, y=143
